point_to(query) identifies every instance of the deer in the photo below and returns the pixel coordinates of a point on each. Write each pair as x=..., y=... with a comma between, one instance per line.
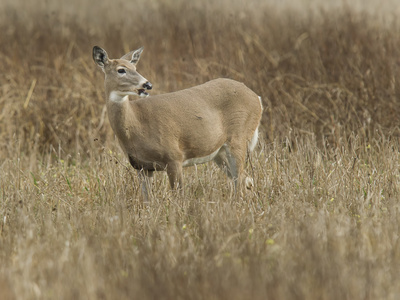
x=215, y=121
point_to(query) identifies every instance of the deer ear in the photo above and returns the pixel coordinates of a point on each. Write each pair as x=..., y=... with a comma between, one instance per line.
x=136, y=55
x=100, y=56
x=128, y=56
x=133, y=56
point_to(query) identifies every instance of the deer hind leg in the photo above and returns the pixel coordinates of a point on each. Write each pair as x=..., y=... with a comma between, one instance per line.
x=230, y=159
x=249, y=182
x=239, y=149
x=146, y=183
x=236, y=159
x=174, y=171
x=221, y=159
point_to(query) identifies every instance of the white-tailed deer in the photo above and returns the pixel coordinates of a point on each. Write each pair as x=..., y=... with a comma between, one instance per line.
x=217, y=120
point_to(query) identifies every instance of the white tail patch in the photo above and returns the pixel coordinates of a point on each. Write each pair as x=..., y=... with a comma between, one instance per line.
x=259, y=98
x=254, y=140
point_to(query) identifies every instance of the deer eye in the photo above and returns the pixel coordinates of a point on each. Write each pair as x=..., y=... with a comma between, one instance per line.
x=121, y=71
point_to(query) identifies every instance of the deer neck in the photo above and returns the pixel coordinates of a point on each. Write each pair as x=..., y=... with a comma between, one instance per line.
x=122, y=117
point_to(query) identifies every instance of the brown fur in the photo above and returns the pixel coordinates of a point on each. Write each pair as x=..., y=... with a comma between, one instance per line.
x=162, y=132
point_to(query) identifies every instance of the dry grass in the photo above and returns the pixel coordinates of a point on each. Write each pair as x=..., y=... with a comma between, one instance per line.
x=323, y=219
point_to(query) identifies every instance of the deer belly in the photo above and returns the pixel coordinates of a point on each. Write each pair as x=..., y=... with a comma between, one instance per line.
x=139, y=165
x=200, y=160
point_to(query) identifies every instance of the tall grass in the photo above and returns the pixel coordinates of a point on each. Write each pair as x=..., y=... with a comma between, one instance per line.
x=324, y=72
x=322, y=221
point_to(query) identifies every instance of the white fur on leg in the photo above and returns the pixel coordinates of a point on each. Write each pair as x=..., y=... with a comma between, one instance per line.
x=249, y=183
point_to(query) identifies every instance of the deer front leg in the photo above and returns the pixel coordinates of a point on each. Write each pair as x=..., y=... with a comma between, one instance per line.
x=174, y=171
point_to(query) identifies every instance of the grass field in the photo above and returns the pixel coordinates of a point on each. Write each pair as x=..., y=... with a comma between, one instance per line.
x=323, y=218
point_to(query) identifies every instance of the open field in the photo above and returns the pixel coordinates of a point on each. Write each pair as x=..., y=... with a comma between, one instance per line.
x=322, y=221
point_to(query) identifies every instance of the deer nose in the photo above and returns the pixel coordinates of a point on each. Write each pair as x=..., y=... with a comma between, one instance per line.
x=148, y=85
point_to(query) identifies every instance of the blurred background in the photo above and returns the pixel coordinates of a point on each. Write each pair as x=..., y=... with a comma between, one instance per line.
x=323, y=68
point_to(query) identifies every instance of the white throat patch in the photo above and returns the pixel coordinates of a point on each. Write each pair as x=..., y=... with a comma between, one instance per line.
x=117, y=97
